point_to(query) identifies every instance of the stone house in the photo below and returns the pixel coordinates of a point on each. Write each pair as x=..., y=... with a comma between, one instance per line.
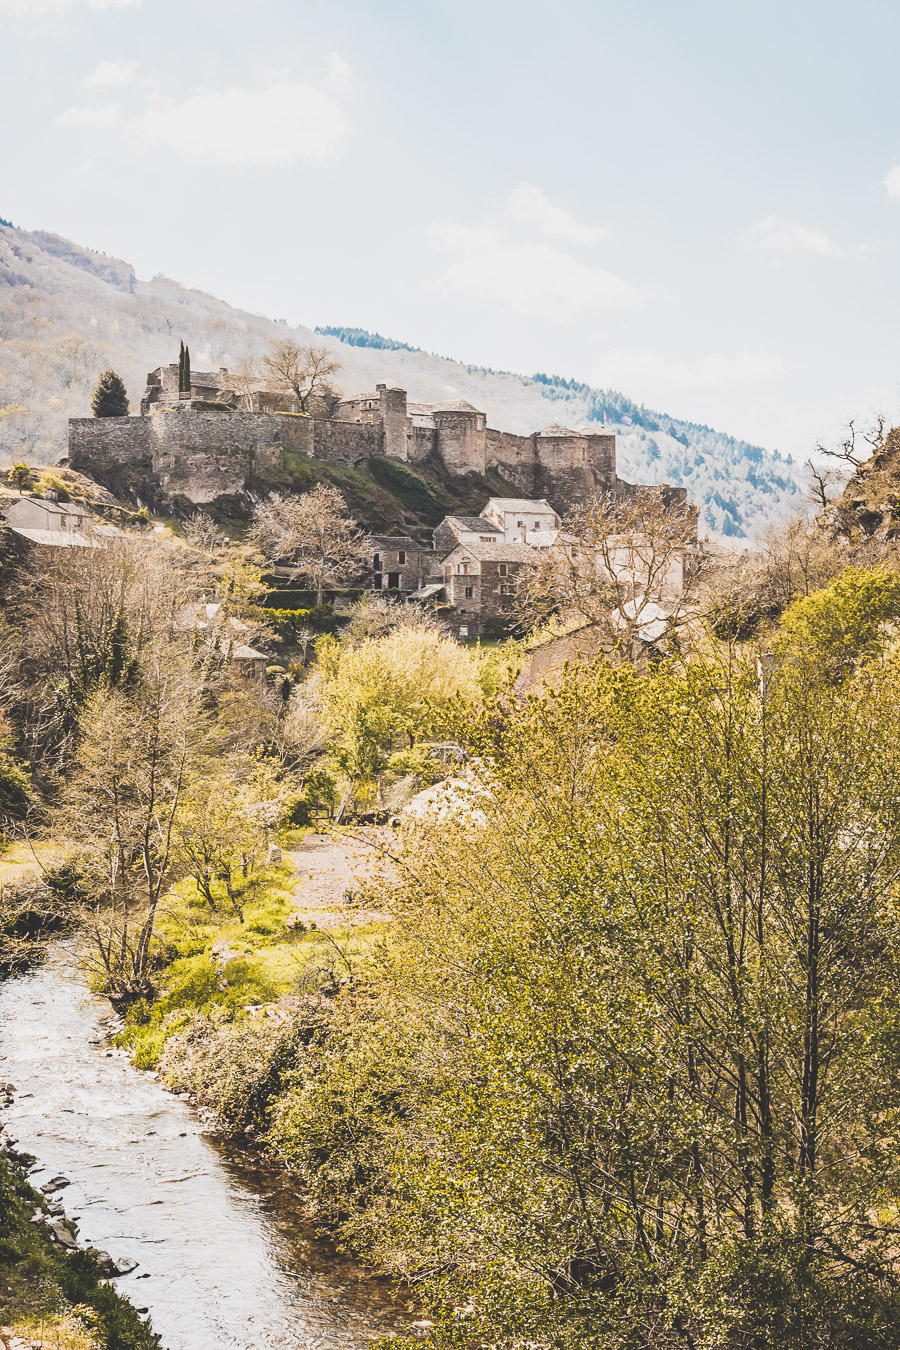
x=46, y=513
x=480, y=581
x=455, y=530
x=397, y=562
x=520, y=518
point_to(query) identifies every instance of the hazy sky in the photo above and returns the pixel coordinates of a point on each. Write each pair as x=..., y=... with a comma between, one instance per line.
x=695, y=202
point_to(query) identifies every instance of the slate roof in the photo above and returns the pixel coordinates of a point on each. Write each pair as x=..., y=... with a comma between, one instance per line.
x=54, y=538
x=477, y=524
x=385, y=541
x=520, y=504
x=556, y=430
x=455, y=405
x=496, y=552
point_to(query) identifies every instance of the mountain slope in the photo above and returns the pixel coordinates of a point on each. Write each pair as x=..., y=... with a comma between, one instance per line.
x=66, y=313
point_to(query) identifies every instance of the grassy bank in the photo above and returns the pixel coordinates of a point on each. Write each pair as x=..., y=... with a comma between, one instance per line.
x=52, y=1297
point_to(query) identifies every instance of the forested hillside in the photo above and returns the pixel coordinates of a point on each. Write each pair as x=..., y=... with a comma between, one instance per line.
x=67, y=312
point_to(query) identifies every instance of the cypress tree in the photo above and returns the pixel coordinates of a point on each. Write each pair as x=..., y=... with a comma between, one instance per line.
x=109, y=398
x=181, y=369
x=187, y=370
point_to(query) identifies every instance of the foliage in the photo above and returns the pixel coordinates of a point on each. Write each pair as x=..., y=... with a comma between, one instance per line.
x=846, y=619
x=385, y=692
x=409, y=487
x=643, y=1085
x=51, y=482
x=20, y=476
x=109, y=398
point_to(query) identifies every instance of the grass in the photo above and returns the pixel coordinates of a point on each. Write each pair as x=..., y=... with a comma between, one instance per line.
x=54, y=1297
x=255, y=961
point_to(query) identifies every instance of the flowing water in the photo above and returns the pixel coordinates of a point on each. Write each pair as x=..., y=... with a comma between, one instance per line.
x=224, y=1259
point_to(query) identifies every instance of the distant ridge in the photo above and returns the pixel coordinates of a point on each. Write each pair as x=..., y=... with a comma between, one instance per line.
x=361, y=337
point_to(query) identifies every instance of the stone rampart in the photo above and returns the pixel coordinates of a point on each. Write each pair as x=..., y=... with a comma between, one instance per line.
x=513, y=457
x=100, y=443
x=347, y=443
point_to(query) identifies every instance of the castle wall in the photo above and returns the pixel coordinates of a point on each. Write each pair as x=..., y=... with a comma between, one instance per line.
x=98, y=444
x=462, y=447
x=343, y=442
x=394, y=421
x=204, y=455
x=514, y=457
x=420, y=442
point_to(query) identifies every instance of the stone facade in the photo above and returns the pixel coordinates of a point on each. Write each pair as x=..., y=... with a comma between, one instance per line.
x=397, y=562
x=480, y=581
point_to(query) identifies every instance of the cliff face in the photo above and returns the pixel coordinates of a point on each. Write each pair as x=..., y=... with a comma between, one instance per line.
x=870, y=502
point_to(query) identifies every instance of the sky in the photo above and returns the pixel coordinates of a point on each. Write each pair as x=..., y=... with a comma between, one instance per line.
x=695, y=203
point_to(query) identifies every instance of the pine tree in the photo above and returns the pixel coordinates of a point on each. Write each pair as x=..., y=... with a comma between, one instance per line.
x=109, y=398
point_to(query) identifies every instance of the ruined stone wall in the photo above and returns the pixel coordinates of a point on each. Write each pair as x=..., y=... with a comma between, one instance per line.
x=100, y=443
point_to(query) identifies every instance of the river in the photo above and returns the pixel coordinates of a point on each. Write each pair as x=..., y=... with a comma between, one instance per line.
x=224, y=1259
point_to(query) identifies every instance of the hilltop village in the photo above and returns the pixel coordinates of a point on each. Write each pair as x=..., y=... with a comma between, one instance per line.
x=212, y=442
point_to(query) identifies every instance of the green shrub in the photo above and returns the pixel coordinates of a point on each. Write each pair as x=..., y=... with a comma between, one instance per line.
x=50, y=482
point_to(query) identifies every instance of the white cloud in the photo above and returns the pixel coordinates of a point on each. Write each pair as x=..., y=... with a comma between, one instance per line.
x=285, y=122
x=774, y=239
x=32, y=7
x=535, y=281
x=528, y=205
x=656, y=376
x=891, y=181
x=109, y=115
x=107, y=73
x=338, y=71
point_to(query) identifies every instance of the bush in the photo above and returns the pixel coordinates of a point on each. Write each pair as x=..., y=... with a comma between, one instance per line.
x=50, y=482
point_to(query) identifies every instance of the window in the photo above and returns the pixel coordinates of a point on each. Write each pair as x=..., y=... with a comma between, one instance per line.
x=401, y=557
x=393, y=581
x=376, y=581
x=463, y=630
x=502, y=569
x=469, y=592
x=376, y=562
x=520, y=524
x=464, y=569
x=506, y=589
x=584, y=454
x=485, y=539
x=479, y=423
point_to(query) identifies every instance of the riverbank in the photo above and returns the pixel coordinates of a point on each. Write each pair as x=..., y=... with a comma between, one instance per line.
x=52, y=1296
x=226, y=1257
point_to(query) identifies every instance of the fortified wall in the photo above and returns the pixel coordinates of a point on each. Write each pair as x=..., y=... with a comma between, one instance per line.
x=203, y=443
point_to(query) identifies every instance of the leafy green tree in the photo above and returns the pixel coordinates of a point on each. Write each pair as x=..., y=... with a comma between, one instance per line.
x=109, y=398
x=845, y=620
x=647, y=1084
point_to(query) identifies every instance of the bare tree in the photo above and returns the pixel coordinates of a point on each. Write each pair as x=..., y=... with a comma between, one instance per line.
x=312, y=536
x=628, y=565
x=245, y=380
x=303, y=373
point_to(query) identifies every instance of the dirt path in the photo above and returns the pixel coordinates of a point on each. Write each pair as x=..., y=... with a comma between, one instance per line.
x=328, y=870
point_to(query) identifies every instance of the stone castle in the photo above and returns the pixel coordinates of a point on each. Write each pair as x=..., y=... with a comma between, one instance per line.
x=204, y=444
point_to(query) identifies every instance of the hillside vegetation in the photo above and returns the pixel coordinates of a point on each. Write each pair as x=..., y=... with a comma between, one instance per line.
x=66, y=313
